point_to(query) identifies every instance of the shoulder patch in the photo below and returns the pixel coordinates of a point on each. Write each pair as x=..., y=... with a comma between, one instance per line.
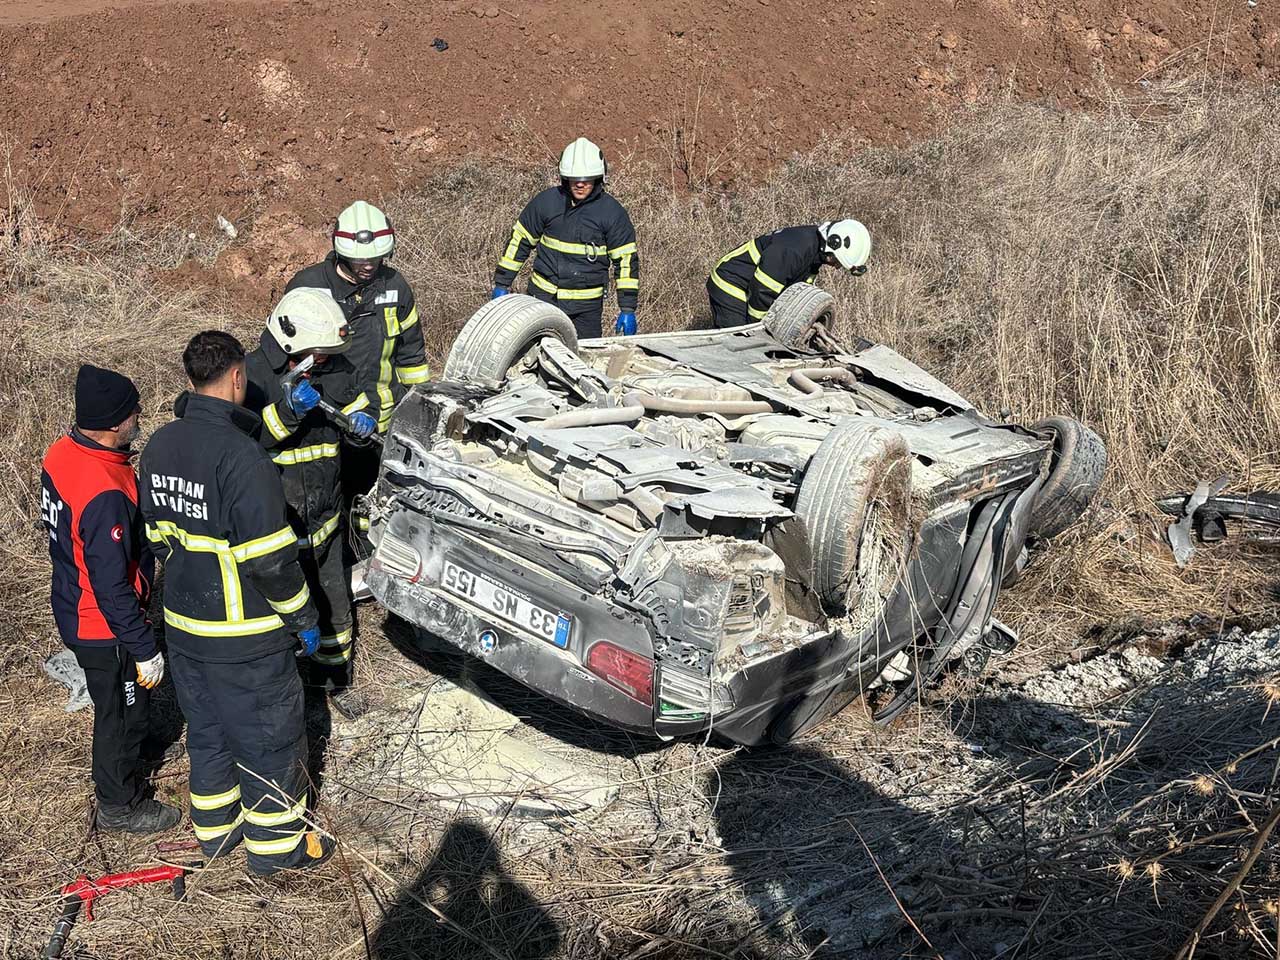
x=388, y=296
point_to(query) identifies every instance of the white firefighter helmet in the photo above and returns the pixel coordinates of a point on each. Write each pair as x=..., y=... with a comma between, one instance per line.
x=849, y=242
x=363, y=232
x=582, y=160
x=308, y=319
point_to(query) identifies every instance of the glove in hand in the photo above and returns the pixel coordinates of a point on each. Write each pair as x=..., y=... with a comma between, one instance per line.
x=362, y=425
x=626, y=324
x=303, y=398
x=150, y=672
x=308, y=641
x=499, y=292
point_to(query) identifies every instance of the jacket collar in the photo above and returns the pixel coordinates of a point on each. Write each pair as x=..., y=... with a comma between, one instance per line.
x=343, y=288
x=272, y=351
x=200, y=408
x=95, y=449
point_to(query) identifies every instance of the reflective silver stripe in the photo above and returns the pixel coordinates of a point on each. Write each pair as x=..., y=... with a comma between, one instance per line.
x=411, y=375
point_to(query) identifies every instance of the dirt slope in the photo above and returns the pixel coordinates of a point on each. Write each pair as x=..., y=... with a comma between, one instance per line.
x=189, y=110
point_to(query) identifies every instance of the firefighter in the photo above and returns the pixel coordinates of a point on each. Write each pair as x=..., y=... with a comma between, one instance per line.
x=748, y=279
x=578, y=230
x=386, y=338
x=306, y=444
x=102, y=572
x=236, y=604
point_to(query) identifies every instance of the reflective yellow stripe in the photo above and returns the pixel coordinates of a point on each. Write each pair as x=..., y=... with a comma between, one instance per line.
x=626, y=248
x=410, y=320
x=625, y=280
x=356, y=405
x=213, y=801
x=294, y=603
x=196, y=543
x=362, y=523
x=264, y=545
x=768, y=281
x=734, y=291
x=755, y=314
x=575, y=249
x=561, y=293
x=519, y=230
x=338, y=640
x=322, y=534
x=333, y=659
x=285, y=844
x=213, y=833
x=411, y=375
x=271, y=417
x=506, y=263
x=385, y=398
x=753, y=251
x=222, y=628
x=261, y=819
x=153, y=534
x=319, y=451
x=508, y=260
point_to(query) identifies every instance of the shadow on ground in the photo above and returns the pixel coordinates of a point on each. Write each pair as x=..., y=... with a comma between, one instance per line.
x=466, y=883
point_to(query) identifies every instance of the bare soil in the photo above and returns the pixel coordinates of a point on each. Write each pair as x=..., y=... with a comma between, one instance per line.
x=151, y=108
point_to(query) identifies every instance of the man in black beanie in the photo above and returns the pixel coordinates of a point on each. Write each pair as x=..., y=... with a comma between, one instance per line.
x=102, y=571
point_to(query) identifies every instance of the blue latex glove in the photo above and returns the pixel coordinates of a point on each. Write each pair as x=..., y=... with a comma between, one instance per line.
x=308, y=642
x=626, y=324
x=303, y=398
x=362, y=425
x=499, y=292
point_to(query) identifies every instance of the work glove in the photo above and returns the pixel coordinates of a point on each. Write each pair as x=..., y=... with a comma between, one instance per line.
x=308, y=641
x=499, y=292
x=626, y=324
x=361, y=424
x=303, y=398
x=150, y=671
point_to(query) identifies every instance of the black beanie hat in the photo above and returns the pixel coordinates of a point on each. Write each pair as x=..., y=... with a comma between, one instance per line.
x=104, y=398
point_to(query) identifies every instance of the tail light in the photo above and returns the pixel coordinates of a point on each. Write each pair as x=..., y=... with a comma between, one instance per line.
x=629, y=672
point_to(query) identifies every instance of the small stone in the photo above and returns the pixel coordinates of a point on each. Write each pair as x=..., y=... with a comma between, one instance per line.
x=491, y=13
x=541, y=50
x=948, y=41
x=223, y=114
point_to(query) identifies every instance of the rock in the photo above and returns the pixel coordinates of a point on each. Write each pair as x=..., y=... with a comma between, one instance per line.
x=949, y=41
x=491, y=13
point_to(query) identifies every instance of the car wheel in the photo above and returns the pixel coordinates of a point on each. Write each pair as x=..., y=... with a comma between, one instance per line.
x=1079, y=464
x=794, y=314
x=854, y=507
x=501, y=332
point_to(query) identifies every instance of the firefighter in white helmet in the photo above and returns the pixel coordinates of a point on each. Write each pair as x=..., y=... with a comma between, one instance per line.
x=305, y=442
x=386, y=338
x=578, y=230
x=747, y=279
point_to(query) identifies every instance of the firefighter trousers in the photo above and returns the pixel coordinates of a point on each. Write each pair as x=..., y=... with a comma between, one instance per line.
x=331, y=590
x=121, y=710
x=585, y=314
x=246, y=737
x=724, y=312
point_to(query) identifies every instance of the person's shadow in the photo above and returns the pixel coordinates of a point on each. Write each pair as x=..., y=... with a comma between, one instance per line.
x=484, y=905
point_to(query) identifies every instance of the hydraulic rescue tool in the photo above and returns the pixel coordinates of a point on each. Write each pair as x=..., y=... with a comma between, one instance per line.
x=289, y=379
x=82, y=892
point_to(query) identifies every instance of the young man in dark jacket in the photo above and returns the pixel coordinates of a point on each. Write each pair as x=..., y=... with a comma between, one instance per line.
x=578, y=230
x=305, y=443
x=102, y=572
x=747, y=279
x=236, y=605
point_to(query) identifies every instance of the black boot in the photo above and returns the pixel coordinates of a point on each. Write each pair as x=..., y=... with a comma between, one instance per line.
x=145, y=816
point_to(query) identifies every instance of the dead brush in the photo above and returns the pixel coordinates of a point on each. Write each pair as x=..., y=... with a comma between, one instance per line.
x=1118, y=266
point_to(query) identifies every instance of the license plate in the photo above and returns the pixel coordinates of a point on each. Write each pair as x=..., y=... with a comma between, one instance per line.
x=507, y=605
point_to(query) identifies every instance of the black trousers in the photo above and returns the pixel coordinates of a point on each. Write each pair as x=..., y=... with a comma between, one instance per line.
x=247, y=741
x=725, y=312
x=121, y=710
x=331, y=590
x=585, y=314
x=359, y=472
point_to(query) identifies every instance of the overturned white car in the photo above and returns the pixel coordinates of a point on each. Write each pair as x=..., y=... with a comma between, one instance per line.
x=739, y=529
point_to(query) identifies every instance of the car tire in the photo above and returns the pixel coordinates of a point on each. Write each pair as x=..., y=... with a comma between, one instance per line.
x=793, y=315
x=1075, y=474
x=501, y=332
x=854, y=508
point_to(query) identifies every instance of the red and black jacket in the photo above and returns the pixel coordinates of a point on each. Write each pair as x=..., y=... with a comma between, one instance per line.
x=102, y=565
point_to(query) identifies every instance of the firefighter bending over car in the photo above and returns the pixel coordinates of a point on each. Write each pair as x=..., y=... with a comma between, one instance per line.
x=236, y=607
x=578, y=230
x=749, y=278
x=305, y=442
x=386, y=337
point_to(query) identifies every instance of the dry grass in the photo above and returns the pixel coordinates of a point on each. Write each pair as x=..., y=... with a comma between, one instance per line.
x=1117, y=266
